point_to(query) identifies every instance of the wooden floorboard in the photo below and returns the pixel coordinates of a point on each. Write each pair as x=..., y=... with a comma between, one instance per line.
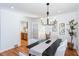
x=15, y=51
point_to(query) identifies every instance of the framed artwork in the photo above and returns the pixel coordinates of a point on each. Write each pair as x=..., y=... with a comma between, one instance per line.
x=62, y=28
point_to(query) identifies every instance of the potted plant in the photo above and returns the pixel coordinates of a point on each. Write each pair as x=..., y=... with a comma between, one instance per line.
x=72, y=27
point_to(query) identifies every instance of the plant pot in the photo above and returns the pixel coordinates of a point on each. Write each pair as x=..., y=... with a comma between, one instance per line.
x=70, y=45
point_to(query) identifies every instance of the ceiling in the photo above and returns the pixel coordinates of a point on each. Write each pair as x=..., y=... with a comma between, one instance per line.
x=39, y=9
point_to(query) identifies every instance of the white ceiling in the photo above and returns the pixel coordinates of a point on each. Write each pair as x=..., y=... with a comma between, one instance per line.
x=39, y=9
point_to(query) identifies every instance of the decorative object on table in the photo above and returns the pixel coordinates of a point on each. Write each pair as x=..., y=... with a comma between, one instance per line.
x=24, y=25
x=72, y=33
x=62, y=28
x=47, y=18
x=69, y=51
x=48, y=41
x=48, y=35
x=70, y=45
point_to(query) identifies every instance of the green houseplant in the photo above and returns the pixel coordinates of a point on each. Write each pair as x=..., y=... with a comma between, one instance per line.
x=72, y=27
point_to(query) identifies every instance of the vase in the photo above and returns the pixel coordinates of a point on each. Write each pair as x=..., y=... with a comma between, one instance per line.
x=70, y=45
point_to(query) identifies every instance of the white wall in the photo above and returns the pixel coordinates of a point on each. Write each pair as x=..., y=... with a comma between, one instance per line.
x=65, y=18
x=0, y=29
x=78, y=30
x=10, y=29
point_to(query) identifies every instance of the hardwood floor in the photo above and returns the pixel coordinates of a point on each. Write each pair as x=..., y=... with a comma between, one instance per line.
x=25, y=50
x=15, y=51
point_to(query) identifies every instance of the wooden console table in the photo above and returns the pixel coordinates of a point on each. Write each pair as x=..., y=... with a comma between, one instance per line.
x=24, y=39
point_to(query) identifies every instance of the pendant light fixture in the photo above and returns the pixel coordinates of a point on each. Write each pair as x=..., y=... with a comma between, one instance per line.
x=48, y=21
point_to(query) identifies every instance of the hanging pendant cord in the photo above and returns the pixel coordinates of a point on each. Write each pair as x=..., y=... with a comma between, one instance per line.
x=47, y=13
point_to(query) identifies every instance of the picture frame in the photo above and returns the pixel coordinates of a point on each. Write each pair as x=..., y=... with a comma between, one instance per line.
x=62, y=28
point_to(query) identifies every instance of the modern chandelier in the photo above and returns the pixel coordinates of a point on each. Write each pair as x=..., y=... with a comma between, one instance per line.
x=47, y=13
